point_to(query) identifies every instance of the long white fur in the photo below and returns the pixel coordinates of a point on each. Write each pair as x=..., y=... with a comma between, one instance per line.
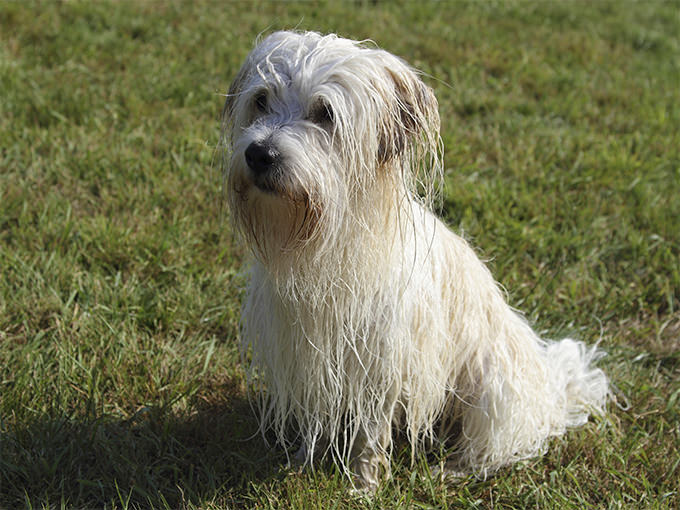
x=364, y=313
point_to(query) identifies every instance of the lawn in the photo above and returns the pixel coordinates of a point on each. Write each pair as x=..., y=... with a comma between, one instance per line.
x=121, y=384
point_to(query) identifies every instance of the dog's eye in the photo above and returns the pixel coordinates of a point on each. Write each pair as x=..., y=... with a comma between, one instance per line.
x=261, y=102
x=322, y=113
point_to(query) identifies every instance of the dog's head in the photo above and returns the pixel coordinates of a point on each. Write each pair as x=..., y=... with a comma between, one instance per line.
x=320, y=131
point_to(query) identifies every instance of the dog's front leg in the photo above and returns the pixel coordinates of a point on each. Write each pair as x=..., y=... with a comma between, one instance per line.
x=370, y=462
x=307, y=455
x=299, y=459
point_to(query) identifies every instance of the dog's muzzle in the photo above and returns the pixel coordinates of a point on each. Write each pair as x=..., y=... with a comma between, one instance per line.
x=264, y=161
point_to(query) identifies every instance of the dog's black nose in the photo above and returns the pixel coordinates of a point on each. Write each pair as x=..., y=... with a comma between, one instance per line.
x=261, y=158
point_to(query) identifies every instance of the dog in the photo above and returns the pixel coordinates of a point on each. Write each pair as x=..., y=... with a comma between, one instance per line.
x=365, y=316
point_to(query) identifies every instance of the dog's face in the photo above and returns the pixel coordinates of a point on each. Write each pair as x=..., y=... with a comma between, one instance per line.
x=316, y=126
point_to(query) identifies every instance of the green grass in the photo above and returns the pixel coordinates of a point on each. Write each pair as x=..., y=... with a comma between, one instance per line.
x=120, y=283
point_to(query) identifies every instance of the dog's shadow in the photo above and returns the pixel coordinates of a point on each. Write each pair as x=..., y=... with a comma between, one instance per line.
x=155, y=459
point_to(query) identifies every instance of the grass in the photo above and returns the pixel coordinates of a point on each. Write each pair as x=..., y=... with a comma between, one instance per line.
x=120, y=381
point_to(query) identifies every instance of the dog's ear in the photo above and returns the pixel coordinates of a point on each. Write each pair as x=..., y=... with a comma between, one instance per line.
x=235, y=90
x=413, y=114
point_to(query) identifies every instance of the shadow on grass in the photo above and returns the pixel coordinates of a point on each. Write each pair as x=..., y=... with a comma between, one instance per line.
x=156, y=459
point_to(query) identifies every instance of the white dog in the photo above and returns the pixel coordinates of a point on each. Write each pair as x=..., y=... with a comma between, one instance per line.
x=365, y=315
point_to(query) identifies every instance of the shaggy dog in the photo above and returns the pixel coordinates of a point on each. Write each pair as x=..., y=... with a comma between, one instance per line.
x=364, y=314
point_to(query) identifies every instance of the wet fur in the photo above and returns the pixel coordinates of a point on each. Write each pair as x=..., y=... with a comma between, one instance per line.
x=364, y=314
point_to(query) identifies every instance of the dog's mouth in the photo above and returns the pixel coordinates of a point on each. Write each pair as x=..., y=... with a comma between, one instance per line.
x=275, y=185
x=267, y=186
x=261, y=205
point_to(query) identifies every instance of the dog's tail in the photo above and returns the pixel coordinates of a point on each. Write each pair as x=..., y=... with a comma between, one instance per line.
x=533, y=391
x=572, y=371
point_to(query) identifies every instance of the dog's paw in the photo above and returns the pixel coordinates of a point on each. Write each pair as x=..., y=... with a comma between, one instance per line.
x=447, y=471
